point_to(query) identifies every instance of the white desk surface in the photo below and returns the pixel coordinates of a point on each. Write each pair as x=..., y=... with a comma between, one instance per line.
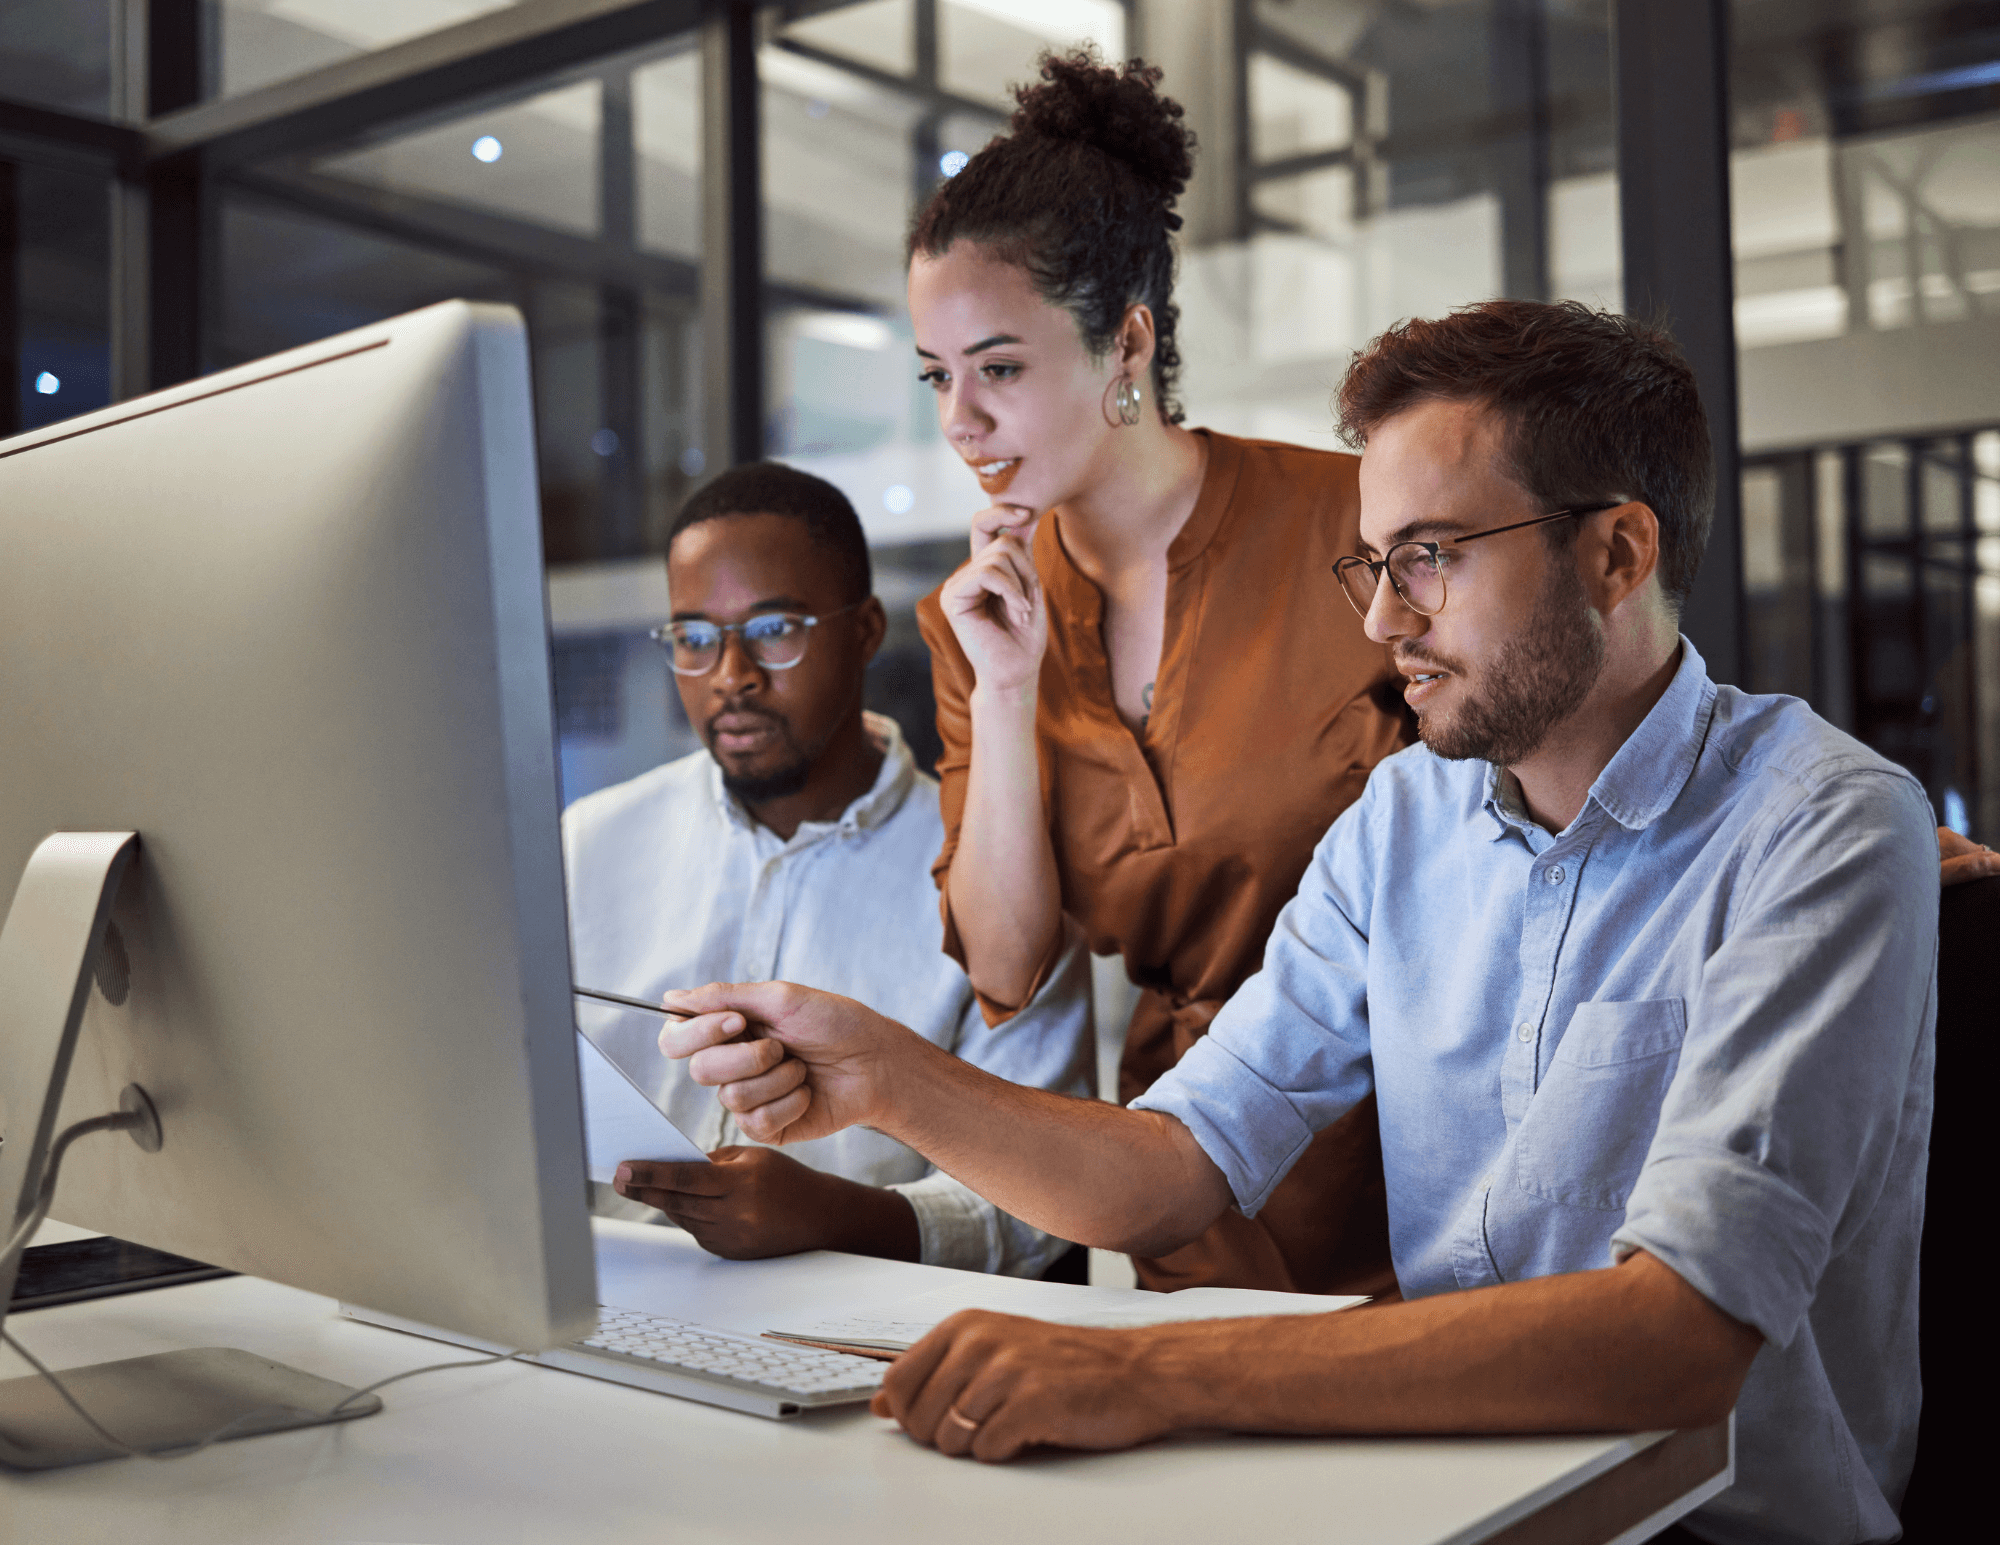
x=518, y=1455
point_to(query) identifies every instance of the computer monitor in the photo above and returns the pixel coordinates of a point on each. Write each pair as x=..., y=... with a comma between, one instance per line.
x=287, y=624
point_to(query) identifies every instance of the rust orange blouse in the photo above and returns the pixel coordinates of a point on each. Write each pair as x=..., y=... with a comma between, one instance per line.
x=1177, y=847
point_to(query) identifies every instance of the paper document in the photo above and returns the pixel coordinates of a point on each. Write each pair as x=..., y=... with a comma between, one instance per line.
x=620, y=1119
x=897, y=1325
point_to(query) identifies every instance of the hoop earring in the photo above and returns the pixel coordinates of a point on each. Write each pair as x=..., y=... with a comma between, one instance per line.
x=1128, y=401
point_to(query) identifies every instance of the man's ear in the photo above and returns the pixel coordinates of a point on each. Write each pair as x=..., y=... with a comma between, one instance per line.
x=873, y=623
x=1620, y=552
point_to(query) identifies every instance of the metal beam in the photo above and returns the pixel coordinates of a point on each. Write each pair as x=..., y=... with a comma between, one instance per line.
x=161, y=212
x=508, y=242
x=10, y=300
x=1518, y=70
x=910, y=86
x=620, y=387
x=1302, y=165
x=924, y=171
x=67, y=141
x=1282, y=46
x=732, y=238
x=1672, y=65
x=429, y=77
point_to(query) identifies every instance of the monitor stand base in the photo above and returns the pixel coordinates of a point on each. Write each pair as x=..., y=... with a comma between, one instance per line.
x=49, y=949
x=168, y=1401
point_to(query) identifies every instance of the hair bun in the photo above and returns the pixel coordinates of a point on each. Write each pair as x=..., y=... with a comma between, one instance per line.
x=1116, y=109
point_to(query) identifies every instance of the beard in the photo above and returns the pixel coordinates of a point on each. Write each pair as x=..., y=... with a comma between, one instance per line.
x=1535, y=681
x=775, y=782
x=758, y=788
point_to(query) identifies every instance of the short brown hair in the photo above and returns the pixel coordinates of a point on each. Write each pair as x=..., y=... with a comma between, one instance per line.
x=1595, y=404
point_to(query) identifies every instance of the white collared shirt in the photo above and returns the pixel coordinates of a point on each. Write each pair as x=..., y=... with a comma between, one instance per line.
x=673, y=884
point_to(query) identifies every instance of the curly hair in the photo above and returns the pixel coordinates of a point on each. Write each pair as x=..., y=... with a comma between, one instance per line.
x=1080, y=192
x=1595, y=405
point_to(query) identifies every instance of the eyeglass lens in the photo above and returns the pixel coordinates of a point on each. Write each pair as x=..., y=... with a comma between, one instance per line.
x=1411, y=568
x=776, y=641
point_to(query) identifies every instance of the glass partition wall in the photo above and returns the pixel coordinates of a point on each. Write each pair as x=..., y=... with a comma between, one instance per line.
x=700, y=208
x=1865, y=163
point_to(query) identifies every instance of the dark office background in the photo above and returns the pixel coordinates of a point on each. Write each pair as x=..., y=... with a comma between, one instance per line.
x=699, y=209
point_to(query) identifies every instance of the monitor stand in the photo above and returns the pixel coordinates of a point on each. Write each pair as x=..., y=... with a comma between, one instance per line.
x=49, y=948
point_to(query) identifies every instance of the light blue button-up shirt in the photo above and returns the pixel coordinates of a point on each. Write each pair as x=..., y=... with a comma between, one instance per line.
x=1696, y=1022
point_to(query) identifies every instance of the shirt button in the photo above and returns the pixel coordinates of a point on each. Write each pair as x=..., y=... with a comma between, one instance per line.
x=1525, y=1032
x=1555, y=875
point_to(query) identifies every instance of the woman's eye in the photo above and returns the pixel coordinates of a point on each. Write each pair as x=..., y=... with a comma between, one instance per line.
x=933, y=378
x=999, y=370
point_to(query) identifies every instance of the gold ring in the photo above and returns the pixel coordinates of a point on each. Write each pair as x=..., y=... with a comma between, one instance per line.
x=952, y=1413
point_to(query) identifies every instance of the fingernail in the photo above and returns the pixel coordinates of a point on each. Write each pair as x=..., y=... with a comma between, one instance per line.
x=623, y=1176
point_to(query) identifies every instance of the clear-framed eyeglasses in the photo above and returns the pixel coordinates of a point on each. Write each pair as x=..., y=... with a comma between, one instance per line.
x=1417, y=569
x=774, y=640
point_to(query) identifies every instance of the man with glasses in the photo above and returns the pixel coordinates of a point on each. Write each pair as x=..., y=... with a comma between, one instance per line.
x=1639, y=968
x=798, y=845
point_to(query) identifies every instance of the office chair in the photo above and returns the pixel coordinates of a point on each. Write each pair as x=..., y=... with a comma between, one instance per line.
x=1950, y=1318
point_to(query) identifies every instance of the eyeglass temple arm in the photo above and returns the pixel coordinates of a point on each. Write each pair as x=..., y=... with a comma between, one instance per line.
x=1542, y=520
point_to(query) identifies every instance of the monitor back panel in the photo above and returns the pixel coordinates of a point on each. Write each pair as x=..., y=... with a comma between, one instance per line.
x=287, y=623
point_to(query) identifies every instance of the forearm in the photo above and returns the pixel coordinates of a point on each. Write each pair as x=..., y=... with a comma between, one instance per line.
x=1005, y=897
x=1619, y=1350
x=1082, y=1170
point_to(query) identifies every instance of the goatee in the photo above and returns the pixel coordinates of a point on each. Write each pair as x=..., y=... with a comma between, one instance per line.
x=780, y=784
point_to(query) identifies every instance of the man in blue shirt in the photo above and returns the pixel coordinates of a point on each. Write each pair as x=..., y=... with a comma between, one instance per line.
x=1639, y=968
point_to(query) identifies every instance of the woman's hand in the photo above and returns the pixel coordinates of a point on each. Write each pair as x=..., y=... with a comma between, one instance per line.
x=995, y=603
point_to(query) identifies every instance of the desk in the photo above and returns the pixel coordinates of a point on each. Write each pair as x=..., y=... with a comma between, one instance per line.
x=517, y=1455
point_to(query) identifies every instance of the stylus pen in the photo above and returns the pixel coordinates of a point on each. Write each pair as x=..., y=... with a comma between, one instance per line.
x=630, y=1003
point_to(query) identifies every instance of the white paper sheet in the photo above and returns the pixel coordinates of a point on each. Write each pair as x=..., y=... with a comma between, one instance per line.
x=903, y=1322
x=619, y=1122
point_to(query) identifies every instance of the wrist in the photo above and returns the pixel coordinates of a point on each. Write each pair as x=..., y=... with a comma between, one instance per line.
x=873, y=1220
x=1003, y=704
x=1183, y=1372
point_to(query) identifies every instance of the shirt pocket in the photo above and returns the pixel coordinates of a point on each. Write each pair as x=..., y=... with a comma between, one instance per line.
x=1589, y=1126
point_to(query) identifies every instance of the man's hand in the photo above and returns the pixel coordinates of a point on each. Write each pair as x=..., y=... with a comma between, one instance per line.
x=748, y=1203
x=813, y=1064
x=1965, y=859
x=991, y=1385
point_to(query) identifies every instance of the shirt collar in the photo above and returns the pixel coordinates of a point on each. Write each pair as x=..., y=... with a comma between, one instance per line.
x=883, y=799
x=1646, y=775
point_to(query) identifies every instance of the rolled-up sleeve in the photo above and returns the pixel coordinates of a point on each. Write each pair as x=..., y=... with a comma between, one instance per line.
x=1288, y=1054
x=1795, y=1080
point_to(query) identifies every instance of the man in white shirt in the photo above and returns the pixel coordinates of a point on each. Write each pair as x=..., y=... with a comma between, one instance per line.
x=797, y=846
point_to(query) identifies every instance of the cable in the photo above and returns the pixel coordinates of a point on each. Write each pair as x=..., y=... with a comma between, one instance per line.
x=218, y=1434
x=118, y=1121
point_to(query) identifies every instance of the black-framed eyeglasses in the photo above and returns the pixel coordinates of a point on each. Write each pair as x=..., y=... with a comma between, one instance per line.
x=774, y=640
x=1416, y=569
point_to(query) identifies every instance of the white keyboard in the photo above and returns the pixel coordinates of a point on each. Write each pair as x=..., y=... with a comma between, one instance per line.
x=695, y=1362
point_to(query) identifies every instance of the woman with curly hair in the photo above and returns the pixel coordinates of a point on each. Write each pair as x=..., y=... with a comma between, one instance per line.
x=1153, y=697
